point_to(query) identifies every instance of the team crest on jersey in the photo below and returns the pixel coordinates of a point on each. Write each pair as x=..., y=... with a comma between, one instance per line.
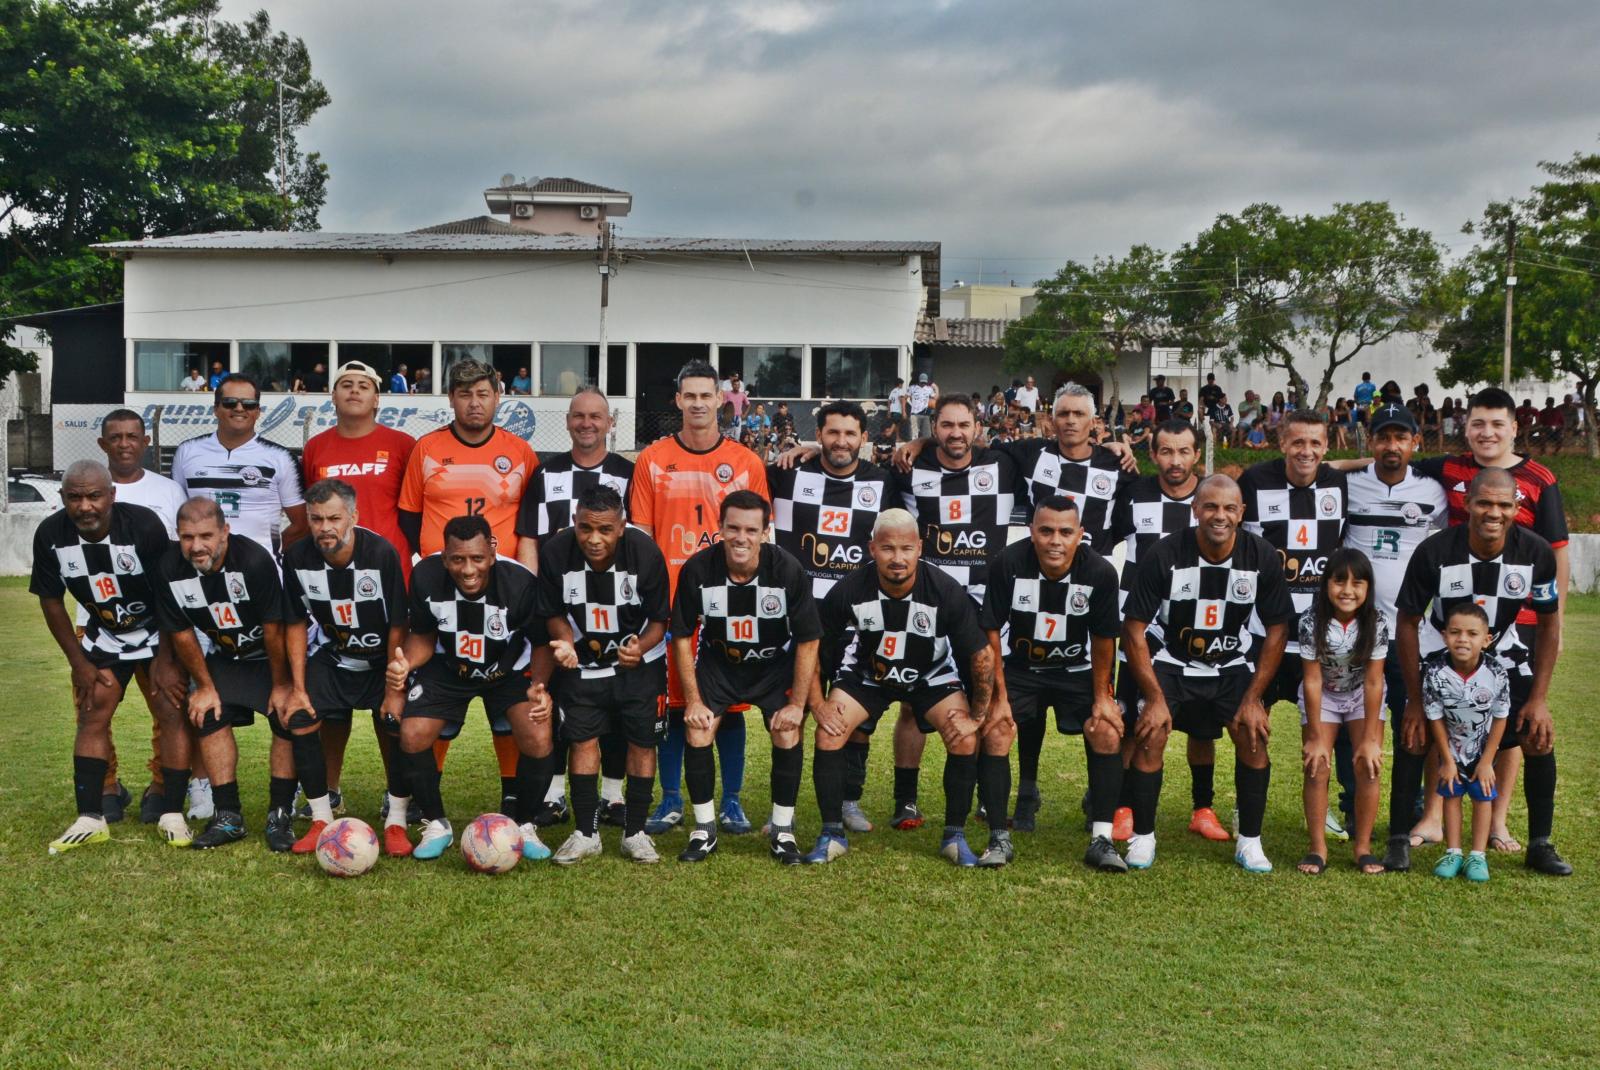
x=494, y=625
x=1515, y=584
x=1328, y=504
x=770, y=604
x=1481, y=697
x=125, y=561
x=1411, y=511
x=1101, y=484
x=1079, y=601
x=627, y=589
x=982, y=482
x=365, y=587
x=724, y=472
x=250, y=474
x=1244, y=588
x=236, y=588
x=866, y=497
x=921, y=622
x=502, y=464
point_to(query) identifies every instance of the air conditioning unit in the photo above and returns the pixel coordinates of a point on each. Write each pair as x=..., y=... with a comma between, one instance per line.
x=522, y=211
x=589, y=211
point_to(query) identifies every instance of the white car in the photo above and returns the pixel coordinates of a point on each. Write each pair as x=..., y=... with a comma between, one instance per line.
x=32, y=495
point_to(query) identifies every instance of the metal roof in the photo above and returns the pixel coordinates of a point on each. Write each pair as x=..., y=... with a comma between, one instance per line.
x=449, y=239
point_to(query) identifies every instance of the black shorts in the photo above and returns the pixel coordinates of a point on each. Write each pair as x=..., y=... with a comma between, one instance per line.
x=631, y=703
x=720, y=698
x=245, y=688
x=122, y=668
x=1070, y=696
x=1285, y=684
x=436, y=691
x=1202, y=706
x=336, y=692
x=875, y=700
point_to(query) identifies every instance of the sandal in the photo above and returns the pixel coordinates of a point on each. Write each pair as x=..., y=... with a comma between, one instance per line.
x=1419, y=840
x=1316, y=863
x=1504, y=844
x=1370, y=865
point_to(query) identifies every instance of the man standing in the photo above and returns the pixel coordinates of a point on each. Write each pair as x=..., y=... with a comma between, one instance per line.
x=1210, y=394
x=218, y=373
x=398, y=384
x=1028, y=396
x=920, y=397
x=255, y=483
x=316, y=380
x=1204, y=585
x=1162, y=398
x=1365, y=391
x=896, y=403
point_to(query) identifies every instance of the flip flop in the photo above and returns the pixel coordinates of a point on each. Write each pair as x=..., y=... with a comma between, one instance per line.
x=1504, y=844
x=1370, y=860
x=1419, y=840
x=1317, y=861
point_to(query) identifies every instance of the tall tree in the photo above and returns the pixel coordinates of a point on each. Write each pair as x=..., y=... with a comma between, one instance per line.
x=1304, y=293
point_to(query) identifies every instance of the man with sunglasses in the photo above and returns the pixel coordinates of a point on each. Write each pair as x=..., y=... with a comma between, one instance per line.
x=255, y=482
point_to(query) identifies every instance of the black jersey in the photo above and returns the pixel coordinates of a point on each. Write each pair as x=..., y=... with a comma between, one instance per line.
x=1304, y=524
x=229, y=606
x=964, y=513
x=550, y=500
x=351, y=609
x=747, y=630
x=114, y=580
x=825, y=520
x=1205, y=607
x=870, y=637
x=485, y=637
x=1092, y=483
x=605, y=609
x=1045, y=625
x=1144, y=515
x=1444, y=572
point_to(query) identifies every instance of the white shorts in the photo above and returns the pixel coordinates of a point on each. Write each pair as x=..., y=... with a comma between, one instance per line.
x=1338, y=707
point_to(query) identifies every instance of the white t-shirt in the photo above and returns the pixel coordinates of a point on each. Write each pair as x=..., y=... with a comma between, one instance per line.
x=897, y=398
x=254, y=483
x=919, y=395
x=196, y=384
x=1028, y=397
x=158, y=493
x=1388, y=524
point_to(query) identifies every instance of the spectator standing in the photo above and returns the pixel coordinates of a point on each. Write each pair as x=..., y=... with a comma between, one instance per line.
x=398, y=383
x=1184, y=408
x=1211, y=393
x=1552, y=426
x=919, y=401
x=734, y=400
x=1028, y=396
x=316, y=380
x=897, y=399
x=218, y=373
x=1527, y=421
x=1365, y=391
x=1162, y=398
x=423, y=384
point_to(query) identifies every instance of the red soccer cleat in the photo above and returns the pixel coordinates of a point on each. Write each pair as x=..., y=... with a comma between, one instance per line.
x=395, y=842
x=1204, y=823
x=1122, y=823
x=308, y=843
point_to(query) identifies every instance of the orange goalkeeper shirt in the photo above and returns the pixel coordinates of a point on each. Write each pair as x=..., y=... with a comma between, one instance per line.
x=677, y=493
x=447, y=478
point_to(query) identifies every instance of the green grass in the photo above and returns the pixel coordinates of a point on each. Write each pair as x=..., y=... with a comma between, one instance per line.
x=131, y=954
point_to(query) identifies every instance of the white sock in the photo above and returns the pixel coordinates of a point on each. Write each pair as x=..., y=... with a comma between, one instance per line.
x=1101, y=828
x=321, y=809
x=782, y=816
x=397, y=811
x=200, y=784
x=611, y=789
x=1249, y=841
x=1452, y=850
x=705, y=813
x=558, y=790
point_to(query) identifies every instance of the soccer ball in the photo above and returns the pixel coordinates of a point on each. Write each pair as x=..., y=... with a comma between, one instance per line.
x=492, y=843
x=347, y=848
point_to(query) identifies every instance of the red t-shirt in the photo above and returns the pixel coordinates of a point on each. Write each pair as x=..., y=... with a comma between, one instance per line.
x=374, y=465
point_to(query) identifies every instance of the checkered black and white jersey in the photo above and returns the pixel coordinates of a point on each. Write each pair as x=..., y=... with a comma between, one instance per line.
x=1444, y=572
x=747, y=630
x=351, y=609
x=1468, y=706
x=1092, y=483
x=551, y=496
x=1304, y=524
x=919, y=640
x=606, y=608
x=229, y=607
x=964, y=513
x=114, y=580
x=825, y=520
x=1340, y=672
x=1143, y=516
x=1205, y=607
x=1046, y=624
x=481, y=638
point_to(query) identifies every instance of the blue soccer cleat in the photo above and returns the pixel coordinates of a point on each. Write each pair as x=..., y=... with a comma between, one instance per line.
x=954, y=847
x=732, y=818
x=436, y=837
x=667, y=816
x=830, y=845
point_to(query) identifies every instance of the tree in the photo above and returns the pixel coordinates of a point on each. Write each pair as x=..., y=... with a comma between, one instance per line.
x=1088, y=314
x=1312, y=292
x=136, y=118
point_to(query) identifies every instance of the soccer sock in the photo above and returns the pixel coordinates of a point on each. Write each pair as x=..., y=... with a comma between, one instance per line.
x=395, y=775
x=557, y=789
x=1406, y=777
x=827, y=776
x=905, y=784
x=1202, y=785
x=508, y=756
x=174, y=789
x=1105, y=784
x=422, y=771
x=1030, y=744
x=88, y=784
x=700, y=770
x=398, y=805
x=225, y=797
x=310, y=766
x=669, y=757
x=960, y=777
x=786, y=765
x=1144, y=789
x=586, y=802
x=1250, y=785
x=531, y=782
x=613, y=762
x=1539, y=789
x=994, y=787
x=1125, y=796
x=441, y=748
x=639, y=792
x=730, y=750
x=855, y=770
x=610, y=790
x=280, y=793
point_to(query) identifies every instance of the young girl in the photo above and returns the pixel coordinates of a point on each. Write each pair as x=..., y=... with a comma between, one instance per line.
x=1466, y=698
x=1343, y=642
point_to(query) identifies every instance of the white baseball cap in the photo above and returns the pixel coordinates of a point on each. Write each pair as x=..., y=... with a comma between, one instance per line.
x=355, y=367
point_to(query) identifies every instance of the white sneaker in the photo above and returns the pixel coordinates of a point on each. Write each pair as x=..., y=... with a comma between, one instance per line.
x=640, y=848
x=533, y=848
x=201, y=808
x=1251, y=856
x=855, y=819
x=1333, y=826
x=84, y=830
x=175, y=829
x=1141, y=852
x=577, y=848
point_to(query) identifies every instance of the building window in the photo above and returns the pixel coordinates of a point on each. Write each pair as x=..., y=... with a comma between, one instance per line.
x=853, y=371
x=566, y=366
x=514, y=361
x=767, y=371
x=164, y=364
x=617, y=371
x=387, y=358
x=279, y=365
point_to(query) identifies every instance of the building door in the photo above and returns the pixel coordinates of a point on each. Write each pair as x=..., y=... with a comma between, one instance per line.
x=656, y=373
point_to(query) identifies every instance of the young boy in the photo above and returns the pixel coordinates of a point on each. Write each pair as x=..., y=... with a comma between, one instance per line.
x=1467, y=699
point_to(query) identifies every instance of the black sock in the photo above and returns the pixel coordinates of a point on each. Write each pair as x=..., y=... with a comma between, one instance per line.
x=422, y=775
x=636, y=796
x=994, y=788
x=531, y=783
x=827, y=776
x=1145, y=791
x=905, y=784
x=1539, y=788
x=1250, y=785
x=613, y=756
x=786, y=765
x=508, y=786
x=700, y=772
x=1105, y=784
x=1030, y=744
x=585, y=802
x=1125, y=796
x=174, y=789
x=225, y=797
x=1202, y=785
x=855, y=770
x=559, y=754
x=960, y=777
x=309, y=764
x=1404, y=780
x=395, y=782
x=280, y=794
x=89, y=784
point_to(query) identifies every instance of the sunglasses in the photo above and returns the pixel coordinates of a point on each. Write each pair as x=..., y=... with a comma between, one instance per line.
x=247, y=404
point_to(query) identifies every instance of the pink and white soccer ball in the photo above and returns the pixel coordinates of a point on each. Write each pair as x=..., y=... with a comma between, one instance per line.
x=492, y=843
x=347, y=848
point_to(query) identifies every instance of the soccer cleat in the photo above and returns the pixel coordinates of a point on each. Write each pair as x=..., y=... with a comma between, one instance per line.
x=1542, y=857
x=830, y=845
x=533, y=848
x=175, y=830
x=982, y=814
x=954, y=847
x=577, y=848
x=855, y=818
x=702, y=845
x=85, y=830
x=667, y=816
x=906, y=817
x=552, y=813
x=1449, y=867
x=1333, y=826
x=201, y=806
x=280, y=830
x=998, y=853
x=1122, y=823
x=396, y=844
x=113, y=805
x=302, y=808
x=1204, y=822
x=785, y=850
x=152, y=804
x=1252, y=857
x=1025, y=817
x=1141, y=851
x=225, y=827
x=1477, y=868
x=1102, y=855
x=640, y=848
x=308, y=843
x=436, y=836
x=1397, y=859
x=614, y=813
x=732, y=819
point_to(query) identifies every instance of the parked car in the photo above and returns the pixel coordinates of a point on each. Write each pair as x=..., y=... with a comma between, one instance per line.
x=33, y=494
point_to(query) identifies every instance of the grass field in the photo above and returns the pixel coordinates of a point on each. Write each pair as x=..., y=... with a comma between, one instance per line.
x=130, y=954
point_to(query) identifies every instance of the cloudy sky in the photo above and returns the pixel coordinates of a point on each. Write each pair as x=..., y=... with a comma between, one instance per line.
x=1016, y=133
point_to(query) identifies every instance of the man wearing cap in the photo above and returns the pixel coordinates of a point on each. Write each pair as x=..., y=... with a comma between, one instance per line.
x=919, y=406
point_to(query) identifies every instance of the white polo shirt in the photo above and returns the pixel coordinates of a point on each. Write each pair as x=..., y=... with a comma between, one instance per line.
x=253, y=483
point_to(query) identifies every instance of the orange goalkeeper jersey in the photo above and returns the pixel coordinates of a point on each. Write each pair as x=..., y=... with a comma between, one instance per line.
x=447, y=478
x=677, y=493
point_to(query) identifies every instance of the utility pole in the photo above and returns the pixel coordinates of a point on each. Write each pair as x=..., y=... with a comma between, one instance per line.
x=283, y=155
x=1511, y=286
x=605, y=285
